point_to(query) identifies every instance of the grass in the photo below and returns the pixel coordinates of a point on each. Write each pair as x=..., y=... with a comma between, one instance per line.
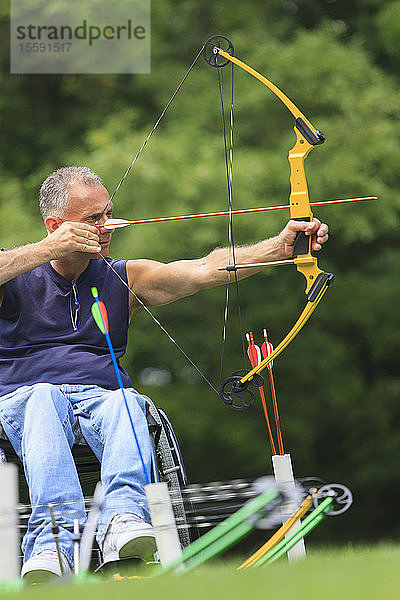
x=365, y=573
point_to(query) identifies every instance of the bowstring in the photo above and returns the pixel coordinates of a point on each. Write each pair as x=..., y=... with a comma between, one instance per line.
x=128, y=170
x=161, y=326
x=228, y=152
x=156, y=124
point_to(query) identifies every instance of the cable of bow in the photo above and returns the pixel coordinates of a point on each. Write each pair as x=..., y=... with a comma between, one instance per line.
x=156, y=124
x=227, y=134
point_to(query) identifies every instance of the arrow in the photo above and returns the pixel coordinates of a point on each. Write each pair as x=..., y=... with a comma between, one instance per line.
x=99, y=313
x=119, y=223
x=254, y=354
x=267, y=349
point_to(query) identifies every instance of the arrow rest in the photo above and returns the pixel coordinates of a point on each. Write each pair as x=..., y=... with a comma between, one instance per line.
x=211, y=47
x=233, y=386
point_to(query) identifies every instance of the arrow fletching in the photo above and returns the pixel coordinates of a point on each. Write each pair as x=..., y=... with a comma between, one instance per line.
x=100, y=316
x=115, y=224
x=253, y=351
x=267, y=349
x=99, y=313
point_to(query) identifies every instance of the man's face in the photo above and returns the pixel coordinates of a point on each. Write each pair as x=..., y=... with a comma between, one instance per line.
x=86, y=204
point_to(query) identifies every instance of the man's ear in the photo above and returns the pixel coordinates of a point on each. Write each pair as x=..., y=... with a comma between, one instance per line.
x=52, y=223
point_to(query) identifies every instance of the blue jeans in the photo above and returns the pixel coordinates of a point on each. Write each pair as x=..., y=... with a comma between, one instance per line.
x=38, y=422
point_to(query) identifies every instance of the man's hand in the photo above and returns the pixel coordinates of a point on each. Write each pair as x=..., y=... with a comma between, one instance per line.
x=318, y=231
x=72, y=237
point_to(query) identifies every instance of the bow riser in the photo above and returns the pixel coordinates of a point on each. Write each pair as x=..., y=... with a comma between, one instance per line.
x=299, y=199
x=300, y=209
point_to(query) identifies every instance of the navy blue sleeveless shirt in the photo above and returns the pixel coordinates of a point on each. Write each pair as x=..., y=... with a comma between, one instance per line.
x=47, y=331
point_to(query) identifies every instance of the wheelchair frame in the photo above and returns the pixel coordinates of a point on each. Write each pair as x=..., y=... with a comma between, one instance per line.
x=168, y=467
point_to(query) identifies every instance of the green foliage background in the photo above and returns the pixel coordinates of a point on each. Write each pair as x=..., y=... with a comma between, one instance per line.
x=338, y=382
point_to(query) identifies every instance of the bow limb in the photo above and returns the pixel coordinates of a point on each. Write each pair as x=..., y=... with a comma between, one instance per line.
x=237, y=384
x=292, y=108
x=301, y=321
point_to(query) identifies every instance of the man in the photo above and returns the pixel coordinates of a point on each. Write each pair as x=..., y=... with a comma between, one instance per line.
x=55, y=365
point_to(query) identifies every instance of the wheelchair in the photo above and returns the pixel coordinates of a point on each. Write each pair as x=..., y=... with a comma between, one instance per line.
x=168, y=468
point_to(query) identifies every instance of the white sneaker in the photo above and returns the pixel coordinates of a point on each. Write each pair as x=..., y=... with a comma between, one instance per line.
x=128, y=536
x=44, y=567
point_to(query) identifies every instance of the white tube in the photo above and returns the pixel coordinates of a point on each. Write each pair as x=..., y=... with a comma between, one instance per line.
x=163, y=521
x=283, y=472
x=9, y=541
x=89, y=531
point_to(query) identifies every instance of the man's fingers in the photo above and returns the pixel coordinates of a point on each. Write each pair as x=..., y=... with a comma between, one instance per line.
x=86, y=233
x=322, y=230
x=80, y=237
x=88, y=242
x=314, y=228
x=321, y=239
x=87, y=236
x=294, y=227
x=309, y=227
x=82, y=229
x=83, y=226
x=298, y=225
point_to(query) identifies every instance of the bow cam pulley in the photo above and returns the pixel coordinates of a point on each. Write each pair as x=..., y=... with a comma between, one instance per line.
x=212, y=47
x=233, y=389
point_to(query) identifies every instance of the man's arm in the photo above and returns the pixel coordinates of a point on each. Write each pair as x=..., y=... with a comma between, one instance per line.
x=157, y=283
x=20, y=260
x=68, y=238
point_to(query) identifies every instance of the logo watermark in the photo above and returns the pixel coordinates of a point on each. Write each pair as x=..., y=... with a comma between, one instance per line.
x=95, y=36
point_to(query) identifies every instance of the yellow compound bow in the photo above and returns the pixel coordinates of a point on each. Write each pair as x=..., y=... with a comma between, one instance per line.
x=317, y=281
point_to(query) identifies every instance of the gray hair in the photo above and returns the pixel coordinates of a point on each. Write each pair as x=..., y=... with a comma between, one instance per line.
x=54, y=192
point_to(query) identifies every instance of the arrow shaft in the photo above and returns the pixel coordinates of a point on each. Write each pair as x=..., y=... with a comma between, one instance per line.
x=276, y=413
x=267, y=349
x=267, y=421
x=121, y=385
x=245, y=210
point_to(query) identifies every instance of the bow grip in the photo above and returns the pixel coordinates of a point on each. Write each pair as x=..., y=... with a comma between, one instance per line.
x=302, y=242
